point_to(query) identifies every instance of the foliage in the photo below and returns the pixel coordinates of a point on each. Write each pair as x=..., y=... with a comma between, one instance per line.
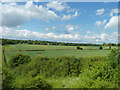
x=38, y=42
x=36, y=82
x=91, y=72
x=99, y=75
x=114, y=57
x=6, y=78
x=48, y=67
x=79, y=48
x=19, y=59
x=100, y=47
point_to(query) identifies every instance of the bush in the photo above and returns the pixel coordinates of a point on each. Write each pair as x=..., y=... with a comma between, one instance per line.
x=36, y=82
x=79, y=48
x=62, y=66
x=99, y=75
x=109, y=46
x=94, y=72
x=100, y=47
x=6, y=78
x=114, y=57
x=19, y=59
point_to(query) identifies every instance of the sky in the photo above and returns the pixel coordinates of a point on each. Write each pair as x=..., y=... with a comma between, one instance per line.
x=76, y=22
x=61, y=0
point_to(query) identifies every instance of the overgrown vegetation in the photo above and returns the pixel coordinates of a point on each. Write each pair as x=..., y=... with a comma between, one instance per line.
x=44, y=72
x=19, y=59
x=34, y=83
x=6, y=78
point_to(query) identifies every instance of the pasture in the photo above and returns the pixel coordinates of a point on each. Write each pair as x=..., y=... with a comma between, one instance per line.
x=55, y=51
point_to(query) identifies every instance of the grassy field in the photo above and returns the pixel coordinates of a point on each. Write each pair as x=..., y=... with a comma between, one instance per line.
x=55, y=51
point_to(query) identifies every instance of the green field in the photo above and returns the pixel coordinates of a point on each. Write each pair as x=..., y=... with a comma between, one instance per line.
x=55, y=51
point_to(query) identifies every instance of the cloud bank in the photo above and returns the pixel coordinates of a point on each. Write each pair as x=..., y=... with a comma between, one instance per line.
x=72, y=37
x=21, y=14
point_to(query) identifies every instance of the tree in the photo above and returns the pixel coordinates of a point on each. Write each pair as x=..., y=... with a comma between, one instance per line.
x=110, y=46
x=78, y=47
x=19, y=59
x=104, y=44
x=100, y=47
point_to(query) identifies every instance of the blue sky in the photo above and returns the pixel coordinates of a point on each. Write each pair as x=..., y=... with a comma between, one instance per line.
x=78, y=22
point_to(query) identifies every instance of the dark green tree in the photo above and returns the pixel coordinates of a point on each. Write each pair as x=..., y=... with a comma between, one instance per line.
x=19, y=59
x=100, y=47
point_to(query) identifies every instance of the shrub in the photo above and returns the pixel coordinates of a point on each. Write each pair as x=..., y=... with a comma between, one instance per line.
x=100, y=47
x=36, y=82
x=79, y=48
x=109, y=46
x=114, y=57
x=6, y=78
x=67, y=66
x=99, y=75
x=19, y=59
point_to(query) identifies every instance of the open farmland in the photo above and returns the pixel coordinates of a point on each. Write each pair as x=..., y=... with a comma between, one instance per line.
x=55, y=51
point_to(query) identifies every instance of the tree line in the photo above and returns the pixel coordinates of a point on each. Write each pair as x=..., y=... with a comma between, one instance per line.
x=39, y=42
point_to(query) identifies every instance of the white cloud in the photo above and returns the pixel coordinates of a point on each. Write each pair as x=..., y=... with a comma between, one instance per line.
x=58, y=6
x=70, y=27
x=26, y=34
x=6, y=32
x=20, y=14
x=105, y=1
x=100, y=23
x=50, y=28
x=19, y=0
x=89, y=32
x=73, y=37
x=13, y=3
x=13, y=16
x=114, y=11
x=100, y=11
x=68, y=17
x=103, y=36
x=113, y=23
